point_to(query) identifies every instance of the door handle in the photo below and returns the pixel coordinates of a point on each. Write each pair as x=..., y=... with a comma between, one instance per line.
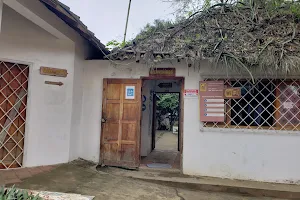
x=103, y=120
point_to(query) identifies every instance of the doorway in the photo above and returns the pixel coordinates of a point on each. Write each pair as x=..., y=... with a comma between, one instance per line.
x=161, y=123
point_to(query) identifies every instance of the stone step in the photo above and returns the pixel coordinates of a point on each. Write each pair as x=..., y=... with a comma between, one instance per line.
x=174, y=178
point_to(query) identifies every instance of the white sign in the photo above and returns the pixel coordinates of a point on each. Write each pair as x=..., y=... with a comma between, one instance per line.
x=130, y=92
x=191, y=93
x=288, y=105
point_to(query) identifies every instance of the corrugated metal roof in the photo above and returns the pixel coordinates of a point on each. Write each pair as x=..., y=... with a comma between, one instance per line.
x=64, y=12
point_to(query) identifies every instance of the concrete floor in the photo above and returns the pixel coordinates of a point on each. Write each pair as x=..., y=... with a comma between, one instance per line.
x=167, y=141
x=82, y=178
x=166, y=150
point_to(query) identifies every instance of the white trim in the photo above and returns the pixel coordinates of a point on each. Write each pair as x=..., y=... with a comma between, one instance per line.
x=25, y=12
x=1, y=9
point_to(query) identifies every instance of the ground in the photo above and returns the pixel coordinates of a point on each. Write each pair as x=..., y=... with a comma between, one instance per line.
x=83, y=178
x=166, y=150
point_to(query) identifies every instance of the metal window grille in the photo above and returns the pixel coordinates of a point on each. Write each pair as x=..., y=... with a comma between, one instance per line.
x=13, y=100
x=266, y=104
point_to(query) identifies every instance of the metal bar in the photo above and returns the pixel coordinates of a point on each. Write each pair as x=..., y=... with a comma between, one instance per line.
x=128, y=13
x=11, y=115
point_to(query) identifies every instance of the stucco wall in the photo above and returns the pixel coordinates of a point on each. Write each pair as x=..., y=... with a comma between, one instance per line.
x=234, y=154
x=51, y=113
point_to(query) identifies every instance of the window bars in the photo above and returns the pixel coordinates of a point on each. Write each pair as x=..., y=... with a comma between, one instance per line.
x=13, y=100
x=266, y=104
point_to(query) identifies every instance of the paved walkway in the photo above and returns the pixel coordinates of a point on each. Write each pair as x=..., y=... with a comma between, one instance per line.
x=11, y=176
x=165, y=150
x=82, y=178
x=168, y=141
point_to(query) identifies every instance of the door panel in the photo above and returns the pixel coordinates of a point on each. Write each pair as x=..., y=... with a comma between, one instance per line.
x=120, y=138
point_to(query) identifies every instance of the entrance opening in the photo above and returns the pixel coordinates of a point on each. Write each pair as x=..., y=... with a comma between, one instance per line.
x=160, y=127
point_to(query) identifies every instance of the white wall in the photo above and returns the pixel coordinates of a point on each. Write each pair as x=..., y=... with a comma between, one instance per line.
x=234, y=154
x=146, y=126
x=49, y=138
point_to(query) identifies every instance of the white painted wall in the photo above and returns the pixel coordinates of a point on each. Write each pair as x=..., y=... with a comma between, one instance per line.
x=261, y=156
x=48, y=119
x=53, y=123
x=146, y=126
x=1, y=11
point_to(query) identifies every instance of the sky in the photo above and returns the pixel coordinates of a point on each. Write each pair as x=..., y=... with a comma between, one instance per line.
x=107, y=18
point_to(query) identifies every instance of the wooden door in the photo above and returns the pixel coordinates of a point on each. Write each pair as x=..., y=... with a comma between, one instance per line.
x=121, y=116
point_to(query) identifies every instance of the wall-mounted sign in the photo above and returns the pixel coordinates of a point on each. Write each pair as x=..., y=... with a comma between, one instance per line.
x=53, y=72
x=165, y=85
x=162, y=72
x=53, y=83
x=130, y=92
x=212, y=106
x=232, y=93
x=191, y=93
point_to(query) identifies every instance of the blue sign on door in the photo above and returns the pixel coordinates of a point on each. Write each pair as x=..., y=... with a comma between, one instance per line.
x=130, y=92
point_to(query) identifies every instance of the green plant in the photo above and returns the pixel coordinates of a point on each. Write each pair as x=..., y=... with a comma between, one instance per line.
x=16, y=194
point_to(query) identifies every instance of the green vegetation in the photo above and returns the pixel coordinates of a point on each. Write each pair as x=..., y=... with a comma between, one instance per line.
x=16, y=194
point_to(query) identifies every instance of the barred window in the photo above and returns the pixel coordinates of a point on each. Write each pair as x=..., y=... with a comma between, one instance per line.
x=272, y=104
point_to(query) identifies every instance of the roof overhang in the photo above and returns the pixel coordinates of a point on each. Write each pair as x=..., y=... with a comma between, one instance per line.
x=71, y=19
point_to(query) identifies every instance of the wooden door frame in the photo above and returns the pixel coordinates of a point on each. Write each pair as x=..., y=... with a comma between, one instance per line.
x=181, y=110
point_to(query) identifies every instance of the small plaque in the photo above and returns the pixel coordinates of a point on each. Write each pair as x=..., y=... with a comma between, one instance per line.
x=232, y=93
x=130, y=92
x=53, y=83
x=162, y=72
x=53, y=72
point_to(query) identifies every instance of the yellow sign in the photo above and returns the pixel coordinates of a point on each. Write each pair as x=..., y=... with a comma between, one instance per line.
x=53, y=72
x=203, y=87
x=232, y=93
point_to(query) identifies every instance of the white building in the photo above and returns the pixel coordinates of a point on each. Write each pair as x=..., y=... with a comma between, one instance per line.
x=258, y=140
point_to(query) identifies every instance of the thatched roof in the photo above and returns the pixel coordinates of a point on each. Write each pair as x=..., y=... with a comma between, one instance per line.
x=240, y=35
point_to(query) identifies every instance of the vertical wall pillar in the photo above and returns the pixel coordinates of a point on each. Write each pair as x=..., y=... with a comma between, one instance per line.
x=1, y=9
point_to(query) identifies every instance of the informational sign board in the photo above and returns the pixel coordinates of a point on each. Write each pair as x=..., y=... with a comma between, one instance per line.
x=130, y=92
x=53, y=72
x=191, y=93
x=232, y=93
x=212, y=106
x=162, y=72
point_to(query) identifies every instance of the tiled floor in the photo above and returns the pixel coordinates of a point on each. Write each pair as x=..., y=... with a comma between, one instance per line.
x=13, y=176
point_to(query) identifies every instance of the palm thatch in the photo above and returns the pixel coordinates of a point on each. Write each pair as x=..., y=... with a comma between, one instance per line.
x=251, y=35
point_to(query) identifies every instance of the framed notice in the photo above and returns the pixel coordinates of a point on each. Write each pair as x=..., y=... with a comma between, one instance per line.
x=130, y=92
x=212, y=106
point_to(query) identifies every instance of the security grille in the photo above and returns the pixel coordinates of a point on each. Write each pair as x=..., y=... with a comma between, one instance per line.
x=13, y=99
x=268, y=104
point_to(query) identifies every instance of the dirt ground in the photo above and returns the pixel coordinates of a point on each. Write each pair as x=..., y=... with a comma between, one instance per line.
x=82, y=178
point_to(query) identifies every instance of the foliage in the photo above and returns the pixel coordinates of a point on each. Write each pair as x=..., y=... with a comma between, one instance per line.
x=245, y=35
x=114, y=44
x=16, y=194
x=168, y=103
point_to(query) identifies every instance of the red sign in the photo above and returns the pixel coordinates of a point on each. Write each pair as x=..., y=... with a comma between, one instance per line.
x=212, y=107
x=192, y=93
